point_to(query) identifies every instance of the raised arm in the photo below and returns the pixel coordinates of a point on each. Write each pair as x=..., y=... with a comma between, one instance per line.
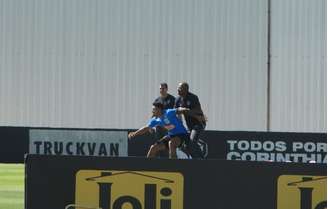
x=139, y=132
x=195, y=113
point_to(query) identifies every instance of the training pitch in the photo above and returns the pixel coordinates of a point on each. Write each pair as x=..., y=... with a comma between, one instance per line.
x=12, y=186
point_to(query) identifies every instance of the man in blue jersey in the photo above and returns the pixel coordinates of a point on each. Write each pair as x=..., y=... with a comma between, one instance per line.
x=177, y=133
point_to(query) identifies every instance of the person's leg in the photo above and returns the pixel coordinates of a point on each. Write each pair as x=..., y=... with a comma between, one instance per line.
x=194, y=148
x=182, y=151
x=195, y=132
x=173, y=144
x=154, y=149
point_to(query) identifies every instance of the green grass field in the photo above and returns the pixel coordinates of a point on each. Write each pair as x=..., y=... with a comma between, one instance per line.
x=11, y=186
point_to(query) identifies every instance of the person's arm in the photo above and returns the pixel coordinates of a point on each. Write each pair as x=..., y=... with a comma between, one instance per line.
x=176, y=101
x=148, y=128
x=182, y=110
x=195, y=108
x=192, y=113
x=139, y=132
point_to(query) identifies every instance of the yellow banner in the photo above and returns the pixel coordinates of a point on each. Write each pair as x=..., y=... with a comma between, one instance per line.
x=112, y=189
x=302, y=192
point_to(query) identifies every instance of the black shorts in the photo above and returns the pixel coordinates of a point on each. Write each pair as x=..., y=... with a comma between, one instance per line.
x=184, y=138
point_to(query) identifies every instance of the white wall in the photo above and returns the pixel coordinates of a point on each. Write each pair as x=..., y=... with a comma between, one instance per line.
x=97, y=64
x=299, y=66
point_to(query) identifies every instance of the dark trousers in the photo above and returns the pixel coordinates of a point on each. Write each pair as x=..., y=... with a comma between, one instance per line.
x=193, y=147
x=160, y=132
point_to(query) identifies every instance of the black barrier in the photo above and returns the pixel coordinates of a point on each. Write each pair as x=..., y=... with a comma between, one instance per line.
x=232, y=145
x=268, y=146
x=254, y=146
x=14, y=144
x=56, y=182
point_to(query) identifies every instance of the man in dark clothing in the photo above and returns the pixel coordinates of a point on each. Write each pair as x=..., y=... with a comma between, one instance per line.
x=195, y=118
x=168, y=103
x=165, y=98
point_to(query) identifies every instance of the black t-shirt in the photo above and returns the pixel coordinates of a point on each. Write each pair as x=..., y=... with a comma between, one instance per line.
x=191, y=101
x=168, y=101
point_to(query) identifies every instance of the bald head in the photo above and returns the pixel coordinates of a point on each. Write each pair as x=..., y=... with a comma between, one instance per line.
x=183, y=89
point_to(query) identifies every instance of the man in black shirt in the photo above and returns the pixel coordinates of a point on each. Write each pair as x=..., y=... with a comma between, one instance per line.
x=168, y=103
x=195, y=118
x=165, y=98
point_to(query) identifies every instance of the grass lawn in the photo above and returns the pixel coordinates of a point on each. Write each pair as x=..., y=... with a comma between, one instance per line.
x=11, y=186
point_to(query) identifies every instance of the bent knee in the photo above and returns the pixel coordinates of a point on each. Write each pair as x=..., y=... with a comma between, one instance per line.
x=173, y=143
x=153, y=147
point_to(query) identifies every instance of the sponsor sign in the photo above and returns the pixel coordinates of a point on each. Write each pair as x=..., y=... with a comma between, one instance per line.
x=230, y=145
x=113, y=189
x=266, y=146
x=279, y=151
x=302, y=192
x=78, y=142
x=73, y=182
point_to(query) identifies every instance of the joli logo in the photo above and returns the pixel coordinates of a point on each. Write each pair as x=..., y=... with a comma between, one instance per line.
x=129, y=189
x=302, y=192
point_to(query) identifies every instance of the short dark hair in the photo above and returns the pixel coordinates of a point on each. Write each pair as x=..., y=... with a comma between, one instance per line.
x=158, y=105
x=163, y=84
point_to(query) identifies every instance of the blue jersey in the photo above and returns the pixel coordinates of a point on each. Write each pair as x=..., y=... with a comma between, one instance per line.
x=170, y=121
